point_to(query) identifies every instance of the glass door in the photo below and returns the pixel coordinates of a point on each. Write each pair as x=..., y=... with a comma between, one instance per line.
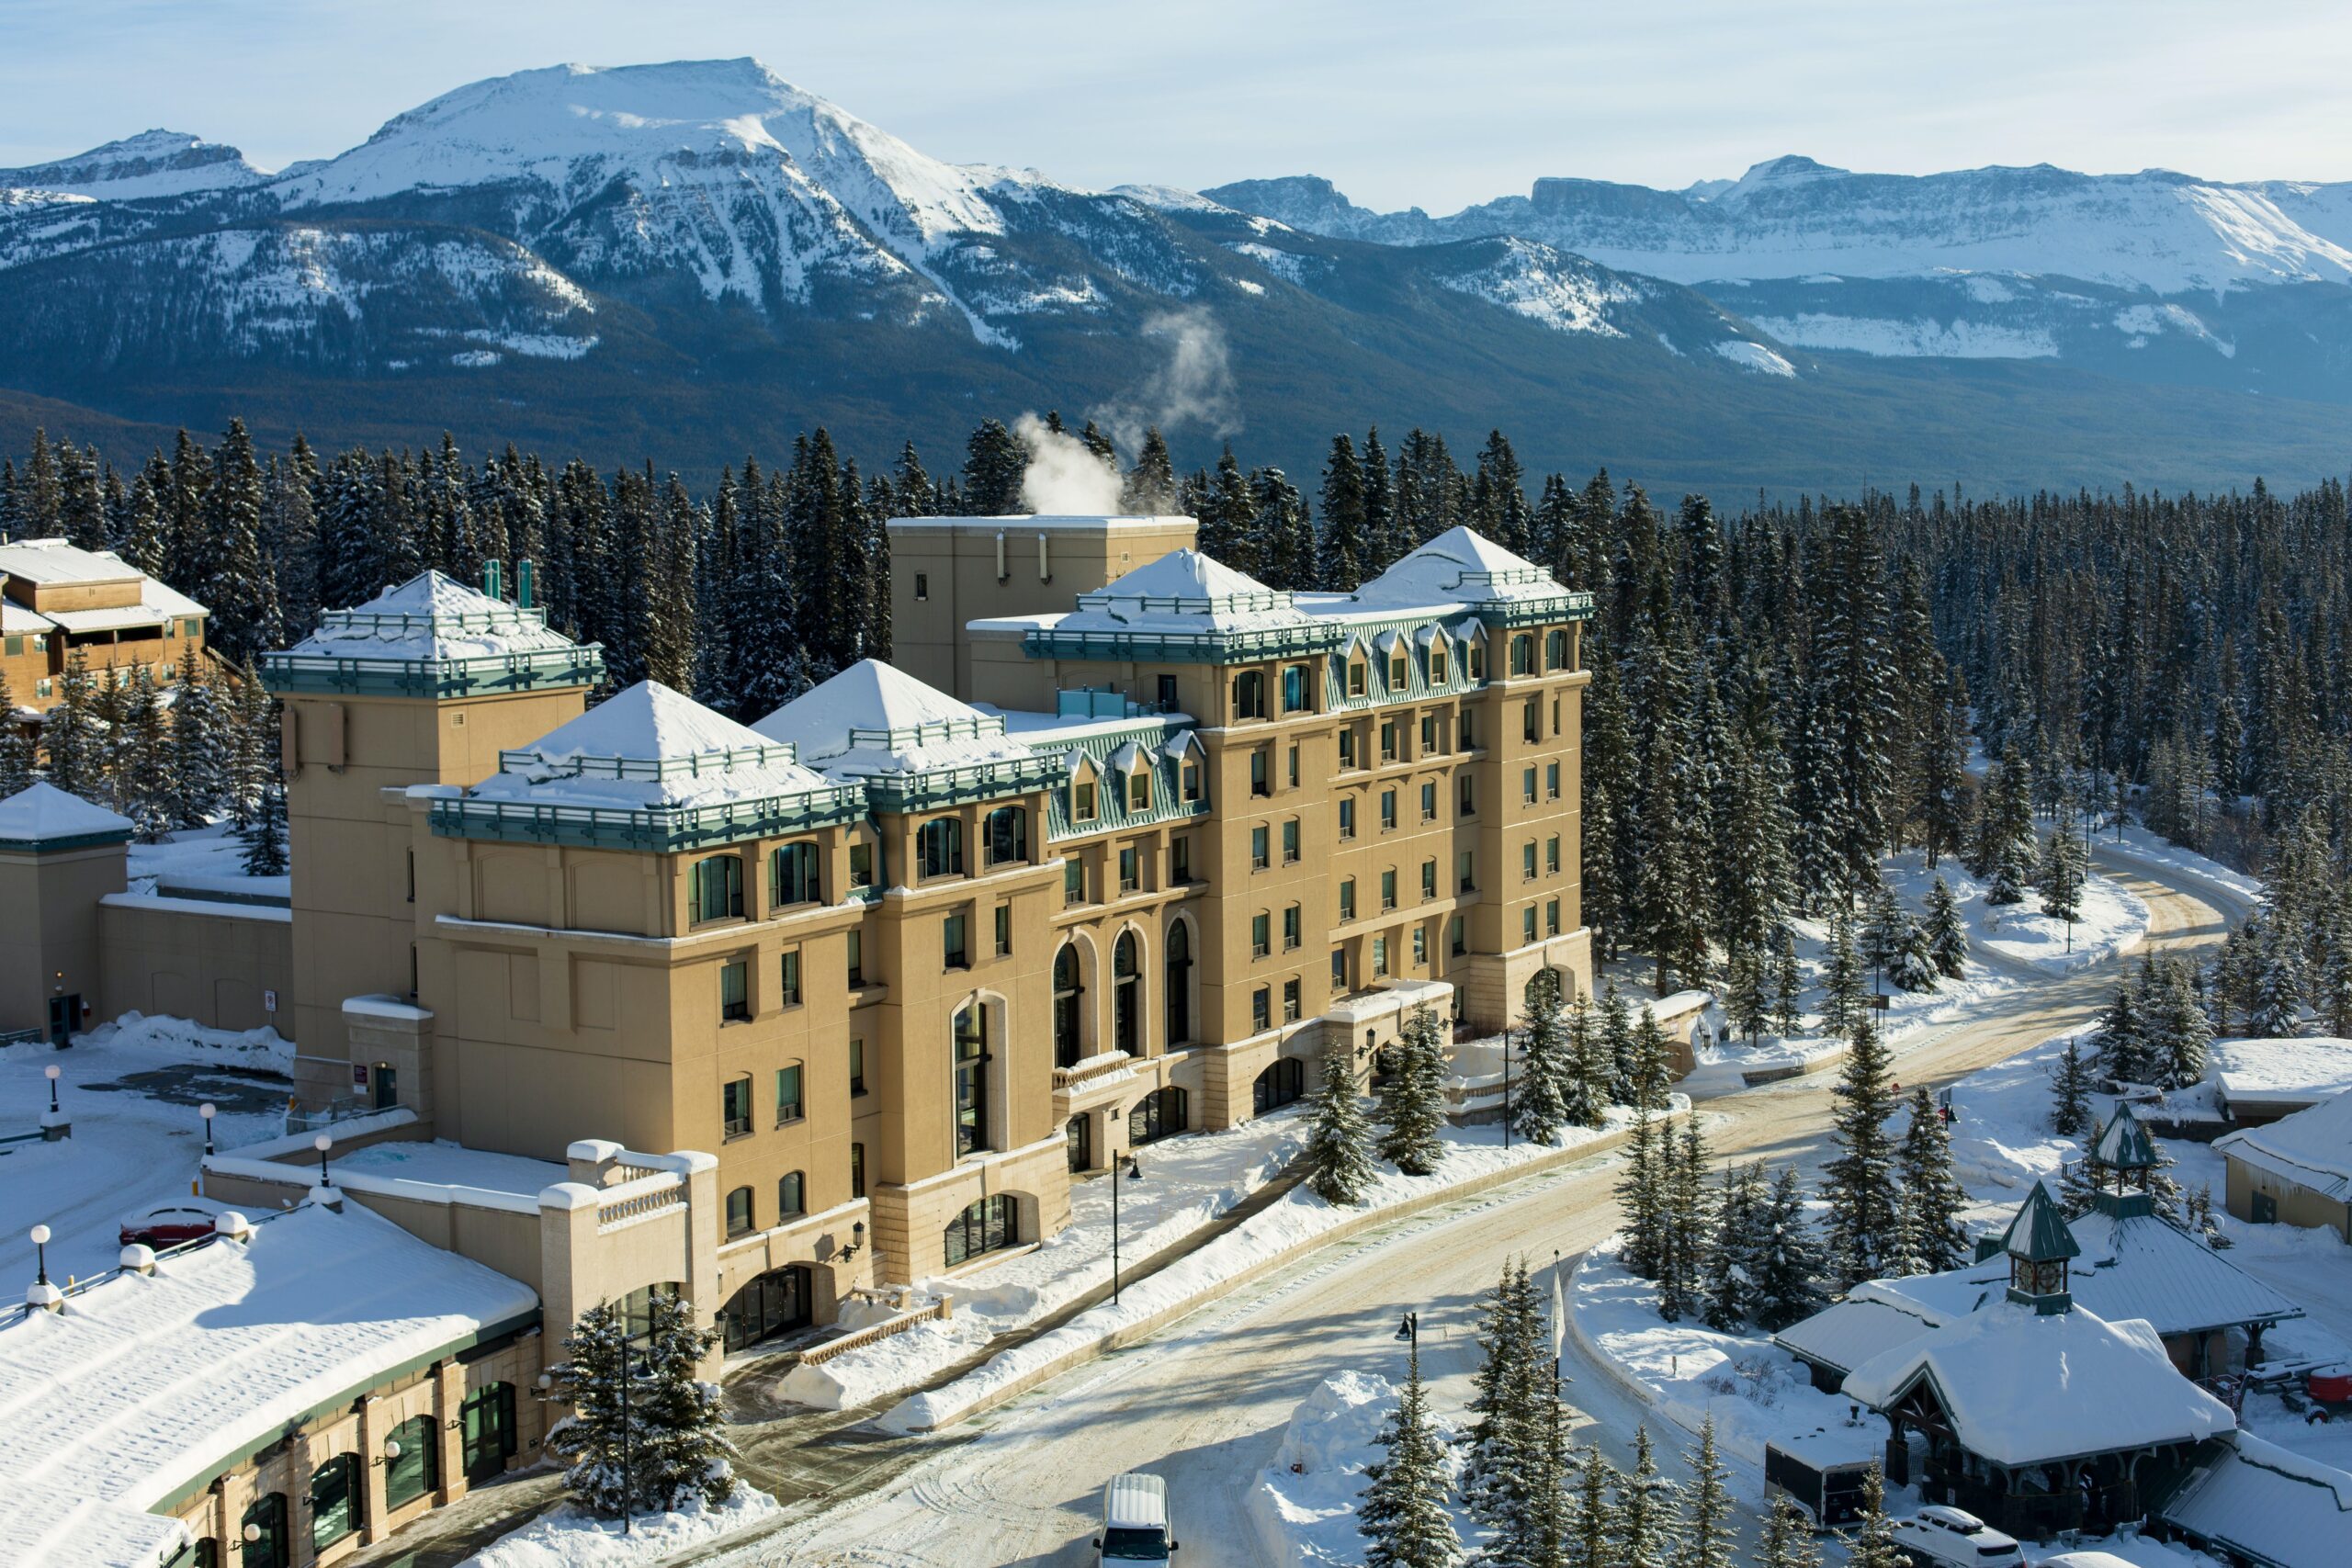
x=971, y=1079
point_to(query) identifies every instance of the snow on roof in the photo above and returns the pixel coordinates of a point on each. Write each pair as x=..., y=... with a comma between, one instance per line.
x=2266, y=1503
x=430, y=616
x=1183, y=590
x=2311, y=1148
x=2139, y=1266
x=875, y=719
x=2294, y=1072
x=41, y=812
x=17, y=621
x=1458, y=567
x=142, y=1387
x=51, y=562
x=649, y=747
x=157, y=604
x=2023, y=1387
x=1851, y=1332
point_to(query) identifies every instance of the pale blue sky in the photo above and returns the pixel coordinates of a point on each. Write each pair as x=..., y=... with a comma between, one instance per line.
x=1399, y=103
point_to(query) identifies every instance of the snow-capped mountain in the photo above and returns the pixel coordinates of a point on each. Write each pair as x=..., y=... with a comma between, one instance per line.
x=706, y=253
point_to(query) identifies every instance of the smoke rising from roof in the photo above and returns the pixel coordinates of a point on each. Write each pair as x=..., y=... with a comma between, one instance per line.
x=1063, y=478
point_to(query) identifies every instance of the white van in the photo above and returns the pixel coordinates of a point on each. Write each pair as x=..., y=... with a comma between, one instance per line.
x=1936, y=1536
x=1134, y=1520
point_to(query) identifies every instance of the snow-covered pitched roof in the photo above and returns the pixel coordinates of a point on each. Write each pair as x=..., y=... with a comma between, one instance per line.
x=1458, y=567
x=2266, y=1503
x=2023, y=1387
x=142, y=1387
x=2294, y=1072
x=2138, y=1266
x=1850, y=1332
x=875, y=718
x=430, y=616
x=17, y=621
x=157, y=604
x=649, y=747
x=54, y=562
x=2311, y=1148
x=1183, y=590
x=42, y=813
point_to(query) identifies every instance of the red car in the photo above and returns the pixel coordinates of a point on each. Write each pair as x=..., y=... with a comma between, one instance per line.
x=168, y=1223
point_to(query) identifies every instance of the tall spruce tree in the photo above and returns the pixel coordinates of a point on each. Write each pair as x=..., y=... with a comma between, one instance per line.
x=1402, y=1512
x=1506, y=1430
x=1709, y=1534
x=1792, y=1264
x=1859, y=1181
x=1642, y=1196
x=1411, y=1110
x=1946, y=936
x=1337, y=1161
x=265, y=836
x=18, y=753
x=1788, y=1537
x=1585, y=1094
x=1646, y=1513
x=2070, y=1083
x=1929, y=1238
x=1539, y=1108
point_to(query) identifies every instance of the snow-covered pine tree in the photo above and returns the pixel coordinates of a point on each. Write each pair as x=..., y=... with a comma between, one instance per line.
x=1506, y=1430
x=1642, y=1196
x=1787, y=1538
x=2123, y=1041
x=1403, y=1511
x=1744, y=1001
x=1873, y=1544
x=2070, y=1087
x=265, y=836
x=200, y=745
x=1617, y=1043
x=1843, y=1011
x=1709, y=1533
x=1585, y=1094
x=1788, y=987
x=1733, y=1260
x=670, y=1444
x=1412, y=1101
x=71, y=734
x=1690, y=1228
x=1932, y=1237
x=17, y=750
x=2280, y=982
x=2180, y=1022
x=1791, y=1264
x=253, y=748
x=598, y=1442
x=1344, y=548
x=2064, y=864
x=1653, y=1063
x=1540, y=1537
x=1911, y=968
x=1337, y=1158
x=1864, y=1206
x=1884, y=925
x=145, y=780
x=1539, y=1106
x=1946, y=936
x=1645, y=1518
x=1591, y=1540
x=686, y=1420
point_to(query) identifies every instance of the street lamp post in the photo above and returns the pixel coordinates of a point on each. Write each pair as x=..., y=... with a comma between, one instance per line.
x=1409, y=1328
x=1135, y=1173
x=49, y=1072
x=41, y=1254
x=322, y=1144
x=208, y=1111
x=628, y=1474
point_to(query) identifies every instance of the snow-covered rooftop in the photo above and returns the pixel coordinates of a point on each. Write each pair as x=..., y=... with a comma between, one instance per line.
x=56, y=562
x=1848, y=1333
x=17, y=621
x=874, y=718
x=41, y=813
x=2023, y=1387
x=2311, y=1148
x=1457, y=567
x=2267, y=1503
x=649, y=747
x=2294, y=1072
x=430, y=617
x=142, y=1387
x=1183, y=590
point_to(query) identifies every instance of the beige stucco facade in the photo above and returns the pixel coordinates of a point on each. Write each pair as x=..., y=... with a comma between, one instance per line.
x=51, y=957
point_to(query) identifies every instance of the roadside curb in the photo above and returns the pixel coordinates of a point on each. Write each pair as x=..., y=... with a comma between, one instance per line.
x=1627, y=1383
x=1128, y=1333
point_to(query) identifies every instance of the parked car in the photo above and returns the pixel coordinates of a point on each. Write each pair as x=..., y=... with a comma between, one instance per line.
x=170, y=1223
x=1134, y=1520
x=1937, y=1535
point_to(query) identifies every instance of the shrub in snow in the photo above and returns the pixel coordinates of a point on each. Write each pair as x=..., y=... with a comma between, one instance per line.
x=656, y=1442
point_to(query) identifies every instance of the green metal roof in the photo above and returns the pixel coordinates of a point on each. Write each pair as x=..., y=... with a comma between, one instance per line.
x=2125, y=1143
x=2039, y=1233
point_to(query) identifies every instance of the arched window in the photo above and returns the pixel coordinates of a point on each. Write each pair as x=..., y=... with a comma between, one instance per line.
x=971, y=1067
x=269, y=1547
x=1069, y=997
x=939, y=847
x=1008, y=835
x=739, y=1211
x=793, y=875
x=1523, y=653
x=791, y=1194
x=1278, y=1085
x=1158, y=1114
x=1180, y=983
x=989, y=1226
x=336, y=1501
x=416, y=1468
x=1555, y=648
x=714, y=888
x=1126, y=995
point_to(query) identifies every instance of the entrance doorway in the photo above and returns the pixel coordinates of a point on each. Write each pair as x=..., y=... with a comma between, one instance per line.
x=774, y=1302
x=383, y=1081
x=64, y=1013
x=487, y=1420
x=2266, y=1209
x=1080, y=1139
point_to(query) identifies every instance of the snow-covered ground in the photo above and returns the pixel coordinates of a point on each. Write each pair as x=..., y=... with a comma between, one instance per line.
x=1293, y=1221
x=132, y=1089
x=201, y=860
x=1303, y=1507
x=570, y=1537
x=1187, y=1182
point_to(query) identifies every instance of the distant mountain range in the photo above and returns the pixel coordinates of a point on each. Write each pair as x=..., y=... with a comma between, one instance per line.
x=698, y=259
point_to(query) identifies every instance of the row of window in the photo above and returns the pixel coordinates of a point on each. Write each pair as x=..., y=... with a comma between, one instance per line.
x=1295, y=681
x=1085, y=798
x=795, y=874
x=791, y=1196
x=1392, y=736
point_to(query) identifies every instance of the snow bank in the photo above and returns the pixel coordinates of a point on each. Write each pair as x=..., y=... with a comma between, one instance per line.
x=1303, y=1507
x=181, y=1040
x=571, y=1538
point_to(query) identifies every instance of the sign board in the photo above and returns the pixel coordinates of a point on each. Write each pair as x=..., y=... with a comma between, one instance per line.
x=269, y=1002
x=359, y=1074
x=1880, y=1004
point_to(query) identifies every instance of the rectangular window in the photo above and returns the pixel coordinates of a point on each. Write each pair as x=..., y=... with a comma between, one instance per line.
x=1432, y=741
x=1429, y=879
x=1387, y=810
x=1347, y=818
x=1456, y=935
x=956, y=942
x=1551, y=780
x=1004, y=931
x=787, y=985
x=14, y=646
x=1527, y=860
x=1468, y=806
x=1462, y=732
x=1339, y=969
x=1130, y=869
x=1348, y=747
x=861, y=865
x=1523, y=653
x=857, y=1065
x=1081, y=801
x=1400, y=671
x=1138, y=791
x=714, y=888
x=1551, y=854
x=1551, y=917
x=857, y=1170
x=1437, y=664
x=1527, y=785
x=1291, y=925
x=1260, y=858
x=1260, y=784
x=787, y=1095
x=1467, y=871
x=1355, y=677
x=1261, y=943
x=922, y=585
x=1420, y=947
x=1294, y=688
x=1168, y=703
x=1289, y=1001
x=735, y=1106
x=1388, y=888
x=1388, y=740
x=1380, y=958
x=1180, y=857
x=1292, y=764
x=857, y=958
x=1530, y=728
x=1073, y=881
x=1249, y=694
x=793, y=877
x=1527, y=923
x=1260, y=1010
x=1429, y=803
x=1348, y=899
x=734, y=990
x=1290, y=841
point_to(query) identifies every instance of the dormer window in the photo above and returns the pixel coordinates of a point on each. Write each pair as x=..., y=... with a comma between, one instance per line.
x=1399, y=671
x=1356, y=677
x=1478, y=662
x=1437, y=664
x=1139, y=791
x=1081, y=801
x=1192, y=776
